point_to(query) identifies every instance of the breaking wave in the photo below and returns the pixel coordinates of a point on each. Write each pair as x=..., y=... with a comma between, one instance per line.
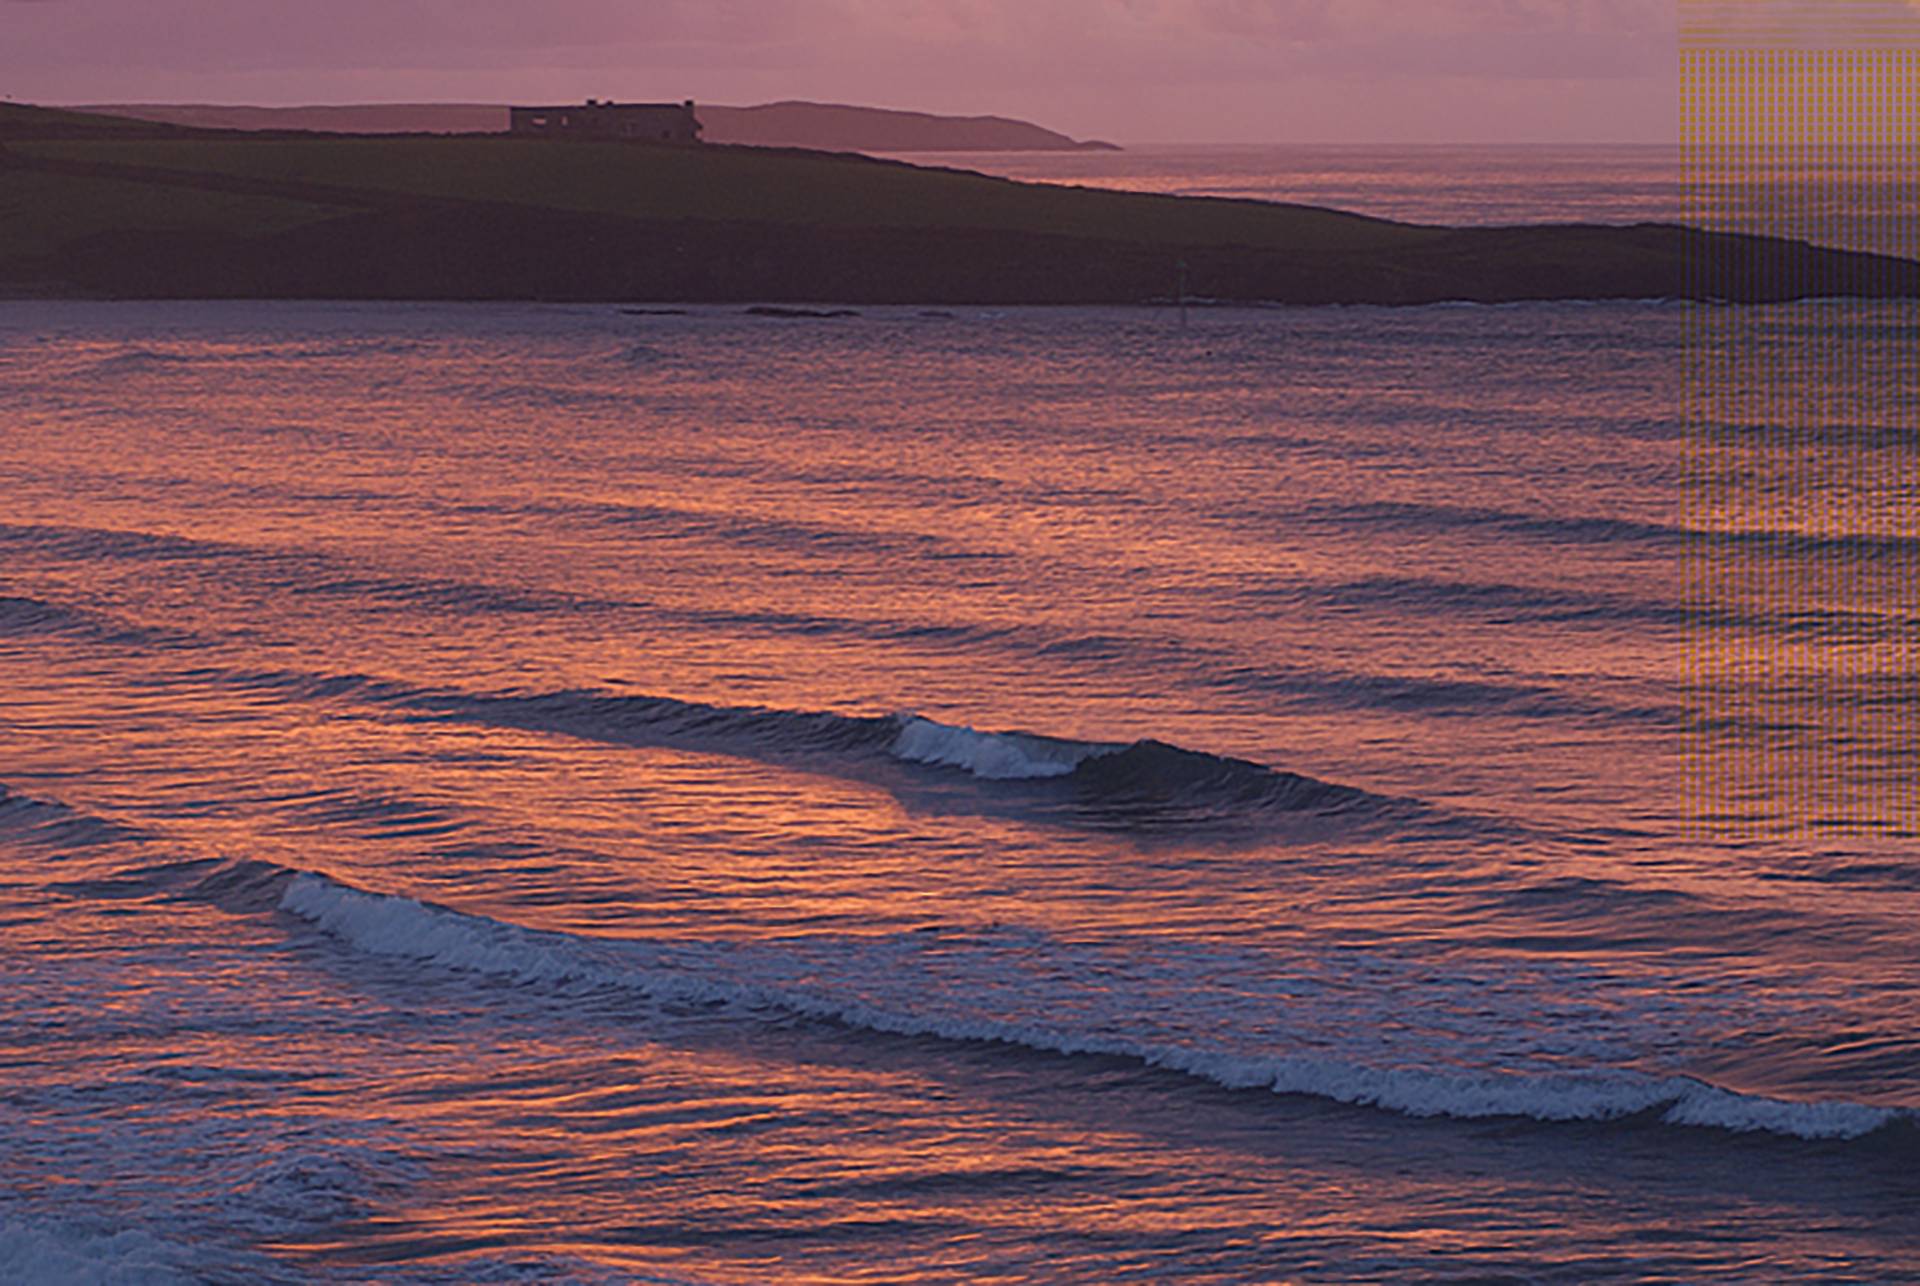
x=1001, y=756
x=1142, y=772
x=69, y=1251
x=1025, y=990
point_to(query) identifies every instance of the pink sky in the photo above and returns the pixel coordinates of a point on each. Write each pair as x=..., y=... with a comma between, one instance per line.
x=1130, y=70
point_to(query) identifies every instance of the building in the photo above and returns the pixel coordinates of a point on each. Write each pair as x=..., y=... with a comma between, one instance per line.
x=653, y=122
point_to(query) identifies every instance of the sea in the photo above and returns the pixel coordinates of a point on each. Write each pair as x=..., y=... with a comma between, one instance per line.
x=535, y=793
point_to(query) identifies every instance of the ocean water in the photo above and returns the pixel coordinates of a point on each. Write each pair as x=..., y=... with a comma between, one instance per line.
x=541, y=793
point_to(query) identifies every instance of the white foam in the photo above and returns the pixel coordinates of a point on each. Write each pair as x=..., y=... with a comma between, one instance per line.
x=398, y=926
x=996, y=756
x=80, y=1256
x=986, y=991
x=1709, y=1105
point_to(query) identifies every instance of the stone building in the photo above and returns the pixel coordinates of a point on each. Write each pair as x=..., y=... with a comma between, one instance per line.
x=652, y=122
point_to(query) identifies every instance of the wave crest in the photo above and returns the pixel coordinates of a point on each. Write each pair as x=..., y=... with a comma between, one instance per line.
x=1146, y=780
x=994, y=756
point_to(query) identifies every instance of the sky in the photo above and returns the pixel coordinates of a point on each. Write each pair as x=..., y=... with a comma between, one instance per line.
x=1137, y=71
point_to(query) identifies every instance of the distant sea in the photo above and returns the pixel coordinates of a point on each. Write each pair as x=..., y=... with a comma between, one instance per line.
x=1859, y=199
x=538, y=793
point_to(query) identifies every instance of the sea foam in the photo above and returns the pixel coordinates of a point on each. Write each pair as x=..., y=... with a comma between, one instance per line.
x=995, y=756
x=43, y=1251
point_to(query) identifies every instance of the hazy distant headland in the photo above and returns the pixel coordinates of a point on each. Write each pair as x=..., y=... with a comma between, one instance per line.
x=831, y=127
x=105, y=207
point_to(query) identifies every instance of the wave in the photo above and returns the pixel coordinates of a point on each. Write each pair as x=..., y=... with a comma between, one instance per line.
x=1503, y=603
x=308, y=573
x=1137, y=774
x=282, y=1198
x=23, y=617
x=1140, y=783
x=1146, y=772
x=90, y=543
x=443, y=595
x=893, y=987
x=298, y=573
x=994, y=756
x=45, y=823
x=1600, y=530
x=134, y=360
x=67, y=1251
x=745, y=531
x=318, y=352
x=546, y=397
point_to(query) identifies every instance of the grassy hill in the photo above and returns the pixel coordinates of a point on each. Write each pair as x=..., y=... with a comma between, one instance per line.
x=101, y=206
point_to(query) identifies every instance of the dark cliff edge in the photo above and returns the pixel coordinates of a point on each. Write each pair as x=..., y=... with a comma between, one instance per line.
x=185, y=215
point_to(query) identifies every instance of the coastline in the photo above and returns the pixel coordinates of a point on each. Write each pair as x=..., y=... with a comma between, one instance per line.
x=509, y=255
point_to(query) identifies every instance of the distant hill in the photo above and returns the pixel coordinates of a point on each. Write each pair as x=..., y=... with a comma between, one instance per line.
x=830, y=127
x=834, y=127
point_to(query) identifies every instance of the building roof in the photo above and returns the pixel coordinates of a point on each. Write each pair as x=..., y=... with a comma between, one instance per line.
x=592, y=104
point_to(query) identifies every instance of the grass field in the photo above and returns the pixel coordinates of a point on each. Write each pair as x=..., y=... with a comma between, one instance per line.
x=41, y=212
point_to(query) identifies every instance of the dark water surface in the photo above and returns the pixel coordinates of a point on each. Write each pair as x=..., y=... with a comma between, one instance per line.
x=518, y=793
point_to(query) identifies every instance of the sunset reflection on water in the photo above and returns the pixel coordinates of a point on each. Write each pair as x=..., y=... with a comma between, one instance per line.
x=463, y=813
